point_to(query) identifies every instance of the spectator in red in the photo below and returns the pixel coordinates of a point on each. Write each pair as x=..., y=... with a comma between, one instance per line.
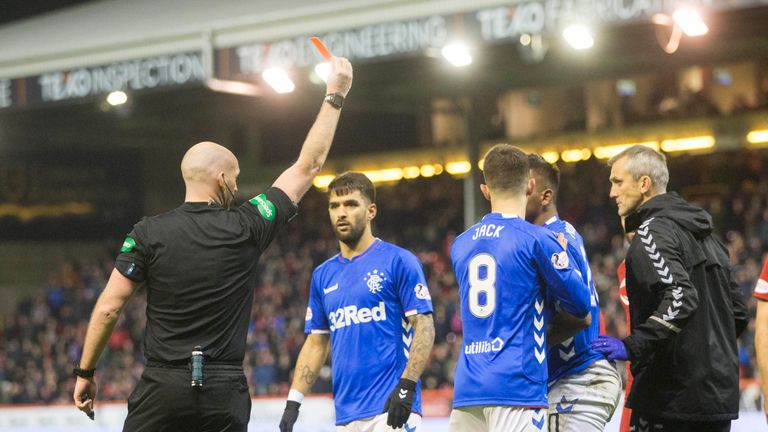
x=761, y=331
x=621, y=273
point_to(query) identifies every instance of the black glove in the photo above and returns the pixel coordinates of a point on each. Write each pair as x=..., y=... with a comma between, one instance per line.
x=399, y=403
x=290, y=415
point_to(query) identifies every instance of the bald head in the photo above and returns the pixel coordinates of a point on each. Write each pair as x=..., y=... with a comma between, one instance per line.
x=209, y=168
x=204, y=161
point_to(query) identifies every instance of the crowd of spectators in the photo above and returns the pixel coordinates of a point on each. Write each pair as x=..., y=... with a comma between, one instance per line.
x=41, y=341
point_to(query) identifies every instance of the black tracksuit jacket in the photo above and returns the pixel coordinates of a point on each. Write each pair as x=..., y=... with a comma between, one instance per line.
x=686, y=314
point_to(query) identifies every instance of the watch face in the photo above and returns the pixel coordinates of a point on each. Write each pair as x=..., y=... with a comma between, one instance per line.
x=335, y=99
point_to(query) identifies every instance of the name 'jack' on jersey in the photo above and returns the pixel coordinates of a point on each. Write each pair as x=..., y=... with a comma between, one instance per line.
x=506, y=268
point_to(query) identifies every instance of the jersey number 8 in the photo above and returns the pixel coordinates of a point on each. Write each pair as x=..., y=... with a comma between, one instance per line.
x=485, y=285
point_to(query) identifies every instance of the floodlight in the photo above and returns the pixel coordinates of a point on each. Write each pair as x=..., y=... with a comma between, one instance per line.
x=278, y=79
x=579, y=37
x=117, y=98
x=322, y=70
x=690, y=22
x=233, y=87
x=457, y=54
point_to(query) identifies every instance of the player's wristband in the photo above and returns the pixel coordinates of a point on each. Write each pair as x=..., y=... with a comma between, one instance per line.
x=296, y=396
x=407, y=384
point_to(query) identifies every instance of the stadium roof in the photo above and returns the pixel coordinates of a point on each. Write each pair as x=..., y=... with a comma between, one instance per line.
x=48, y=106
x=43, y=58
x=111, y=30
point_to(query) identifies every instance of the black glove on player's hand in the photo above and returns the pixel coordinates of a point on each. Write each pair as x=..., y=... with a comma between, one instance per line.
x=399, y=403
x=290, y=415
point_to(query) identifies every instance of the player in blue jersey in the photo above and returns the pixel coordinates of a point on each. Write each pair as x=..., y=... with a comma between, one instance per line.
x=506, y=268
x=372, y=302
x=584, y=388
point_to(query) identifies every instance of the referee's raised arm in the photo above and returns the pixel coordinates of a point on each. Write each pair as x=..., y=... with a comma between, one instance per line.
x=296, y=180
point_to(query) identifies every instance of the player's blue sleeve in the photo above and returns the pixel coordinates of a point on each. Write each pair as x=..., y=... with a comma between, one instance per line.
x=564, y=284
x=412, y=285
x=575, y=260
x=316, y=321
x=578, y=263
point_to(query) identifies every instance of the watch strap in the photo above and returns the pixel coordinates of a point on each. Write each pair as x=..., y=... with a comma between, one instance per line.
x=83, y=373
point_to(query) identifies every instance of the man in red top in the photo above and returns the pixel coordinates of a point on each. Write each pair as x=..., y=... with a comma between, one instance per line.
x=621, y=272
x=761, y=331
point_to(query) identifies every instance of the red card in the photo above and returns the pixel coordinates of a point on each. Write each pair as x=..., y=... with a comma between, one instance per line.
x=321, y=48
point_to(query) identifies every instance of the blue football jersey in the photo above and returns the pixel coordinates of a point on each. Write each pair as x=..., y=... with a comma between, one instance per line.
x=574, y=354
x=506, y=268
x=364, y=303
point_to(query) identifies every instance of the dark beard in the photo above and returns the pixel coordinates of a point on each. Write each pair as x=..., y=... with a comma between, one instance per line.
x=352, y=237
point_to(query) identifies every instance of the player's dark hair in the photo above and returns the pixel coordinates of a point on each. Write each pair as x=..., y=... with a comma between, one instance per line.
x=350, y=181
x=505, y=169
x=545, y=172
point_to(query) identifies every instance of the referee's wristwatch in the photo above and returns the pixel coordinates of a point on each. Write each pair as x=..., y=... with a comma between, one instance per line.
x=83, y=373
x=335, y=99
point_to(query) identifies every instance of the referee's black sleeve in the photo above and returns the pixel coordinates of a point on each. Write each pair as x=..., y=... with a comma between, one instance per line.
x=266, y=213
x=132, y=262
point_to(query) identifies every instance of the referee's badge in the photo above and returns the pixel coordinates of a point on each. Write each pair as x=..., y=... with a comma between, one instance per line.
x=265, y=207
x=128, y=245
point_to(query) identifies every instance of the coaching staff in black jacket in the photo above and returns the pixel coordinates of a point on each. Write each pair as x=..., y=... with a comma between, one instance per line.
x=199, y=266
x=686, y=310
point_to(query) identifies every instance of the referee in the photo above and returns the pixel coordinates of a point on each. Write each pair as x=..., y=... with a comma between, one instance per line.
x=199, y=266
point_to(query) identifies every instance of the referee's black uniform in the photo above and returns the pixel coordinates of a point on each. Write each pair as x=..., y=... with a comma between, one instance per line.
x=199, y=266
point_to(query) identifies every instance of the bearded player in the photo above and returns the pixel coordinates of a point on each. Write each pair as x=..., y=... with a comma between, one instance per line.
x=371, y=301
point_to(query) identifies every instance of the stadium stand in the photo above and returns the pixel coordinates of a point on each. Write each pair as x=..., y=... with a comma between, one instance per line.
x=42, y=339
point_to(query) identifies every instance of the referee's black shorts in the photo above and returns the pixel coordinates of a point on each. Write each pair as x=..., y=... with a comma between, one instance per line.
x=640, y=423
x=164, y=400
